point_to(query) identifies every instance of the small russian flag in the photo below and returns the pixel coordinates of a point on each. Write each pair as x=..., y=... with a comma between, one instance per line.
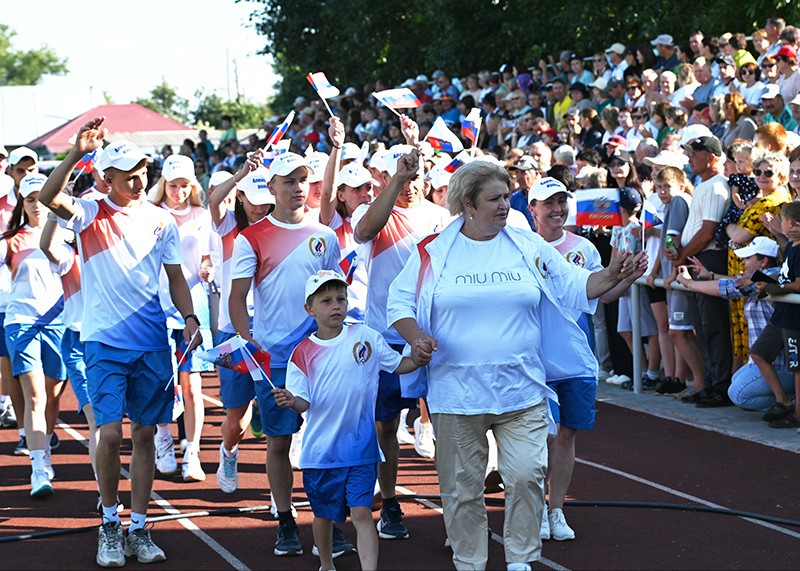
x=86, y=164
x=321, y=85
x=472, y=125
x=459, y=161
x=598, y=207
x=442, y=138
x=650, y=216
x=280, y=130
x=400, y=98
x=240, y=356
x=349, y=265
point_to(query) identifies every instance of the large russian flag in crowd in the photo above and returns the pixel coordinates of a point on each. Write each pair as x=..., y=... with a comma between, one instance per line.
x=598, y=207
x=240, y=356
x=442, y=138
x=400, y=98
x=321, y=85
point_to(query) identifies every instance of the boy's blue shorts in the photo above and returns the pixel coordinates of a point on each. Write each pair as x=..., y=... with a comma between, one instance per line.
x=36, y=347
x=576, y=403
x=276, y=421
x=136, y=382
x=72, y=354
x=236, y=389
x=331, y=491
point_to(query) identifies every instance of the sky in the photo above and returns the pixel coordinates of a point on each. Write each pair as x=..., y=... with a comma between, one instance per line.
x=125, y=49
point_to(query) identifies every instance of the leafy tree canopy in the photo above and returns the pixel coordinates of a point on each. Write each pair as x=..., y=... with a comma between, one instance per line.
x=26, y=67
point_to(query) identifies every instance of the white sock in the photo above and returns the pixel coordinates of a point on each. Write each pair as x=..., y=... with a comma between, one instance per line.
x=21, y=433
x=653, y=375
x=47, y=438
x=190, y=448
x=230, y=453
x=163, y=432
x=37, y=459
x=3, y=399
x=110, y=514
x=137, y=521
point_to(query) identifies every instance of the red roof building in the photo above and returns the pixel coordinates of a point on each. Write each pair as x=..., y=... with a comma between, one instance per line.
x=128, y=118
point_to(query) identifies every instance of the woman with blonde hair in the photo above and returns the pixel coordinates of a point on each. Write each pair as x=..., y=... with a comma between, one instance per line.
x=686, y=84
x=740, y=125
x=179, y=192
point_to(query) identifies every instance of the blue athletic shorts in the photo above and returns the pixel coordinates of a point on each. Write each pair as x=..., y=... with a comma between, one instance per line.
x=36, y=347
x=331, y=491
x=276, y=421
x=137, y=382
x=191, y=363
x=576, y=403
x=72, y=354
x=236, y=389
x=3, y=347
x=390, y=402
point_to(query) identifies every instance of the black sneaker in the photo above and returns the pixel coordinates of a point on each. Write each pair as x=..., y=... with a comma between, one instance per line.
x=714, y=399
x=288, y=542
x=669, y=386
x=339, y=547
x=54, y=441
x=391, y=526
x=22, y=447
x=649, y=384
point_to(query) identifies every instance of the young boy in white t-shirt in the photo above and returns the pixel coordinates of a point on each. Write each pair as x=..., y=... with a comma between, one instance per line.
x=333, y=374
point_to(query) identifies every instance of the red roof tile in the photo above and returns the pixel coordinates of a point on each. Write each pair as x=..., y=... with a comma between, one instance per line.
x=128, y=118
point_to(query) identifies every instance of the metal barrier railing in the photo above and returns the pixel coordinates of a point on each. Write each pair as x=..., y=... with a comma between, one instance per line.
x=636, y=322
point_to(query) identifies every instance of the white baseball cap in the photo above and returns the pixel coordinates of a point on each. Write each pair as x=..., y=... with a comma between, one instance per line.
x=322, y=277
x=178, y=166
x=286, y=163
x=667, y=159
x=354, y=175
x=759, y=245
x=317, y=161
x=218, y=178
x=31, y=183
x=439, y=177
x=20, y=153
x=388, y=162
x=255, y=188
x=350, y=151
x=546, y=187
x=123, y=156
x=694, y=131
x=771, y=92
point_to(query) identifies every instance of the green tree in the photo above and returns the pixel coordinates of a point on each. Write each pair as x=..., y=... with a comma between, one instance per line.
x=26, y=67
x=165, y=100
x=245, y=114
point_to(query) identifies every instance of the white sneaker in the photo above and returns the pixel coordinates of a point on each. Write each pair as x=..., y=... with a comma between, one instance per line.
x=48, y=464
x=165, y=456
x=621, y=379
x=273, y=509
x=139, y=544
x=184, y=443
x=561, y=531
x=40, y=484
x=403, y=435
x=544, y=531
x=110, y=551
x=423, y=439
x=603, y=375
x=191, y=469
x=228, y=471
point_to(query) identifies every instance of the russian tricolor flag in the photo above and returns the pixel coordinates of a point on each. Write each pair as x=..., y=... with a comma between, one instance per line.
x=598, y=207
x=472, y=125
x=240, y=356
x=280, y=130
x=349, y=265
x=321, y=85
x=650, y=216
x=400, y=98
x=442, y=138
x=459, y=161
x=86, y=164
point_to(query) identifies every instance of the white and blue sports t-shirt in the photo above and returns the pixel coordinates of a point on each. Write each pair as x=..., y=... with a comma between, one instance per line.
x=69, y=268
x=122, y=251
x=36, y=295
x=339, y=379
x=227, y=232
x=280, y=258
x=353, y=267
x=386, y=254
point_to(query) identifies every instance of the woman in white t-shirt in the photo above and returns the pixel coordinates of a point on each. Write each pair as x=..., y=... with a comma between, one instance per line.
x=179, y=192
x=34, y=328
x=477, y=276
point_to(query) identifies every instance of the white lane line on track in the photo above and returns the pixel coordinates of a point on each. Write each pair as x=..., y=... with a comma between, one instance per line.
x=685, y=496
x=232, y=560
x=496, y=537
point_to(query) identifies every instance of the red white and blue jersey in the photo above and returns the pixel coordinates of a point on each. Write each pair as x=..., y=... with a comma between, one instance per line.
x=194, y=228
x=353, y=268
x=226, y=233
x=122, y=251
x=8, y=199
x=386, y=254
x=69, y=268
x=36, y=295
x=339, y=379
x=279, y=258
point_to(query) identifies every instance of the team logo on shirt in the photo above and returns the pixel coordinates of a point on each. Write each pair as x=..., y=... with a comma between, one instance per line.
x=317, y=246
x=362, y=351
x=576, y=258
x=543, y=269
x=158, y=230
